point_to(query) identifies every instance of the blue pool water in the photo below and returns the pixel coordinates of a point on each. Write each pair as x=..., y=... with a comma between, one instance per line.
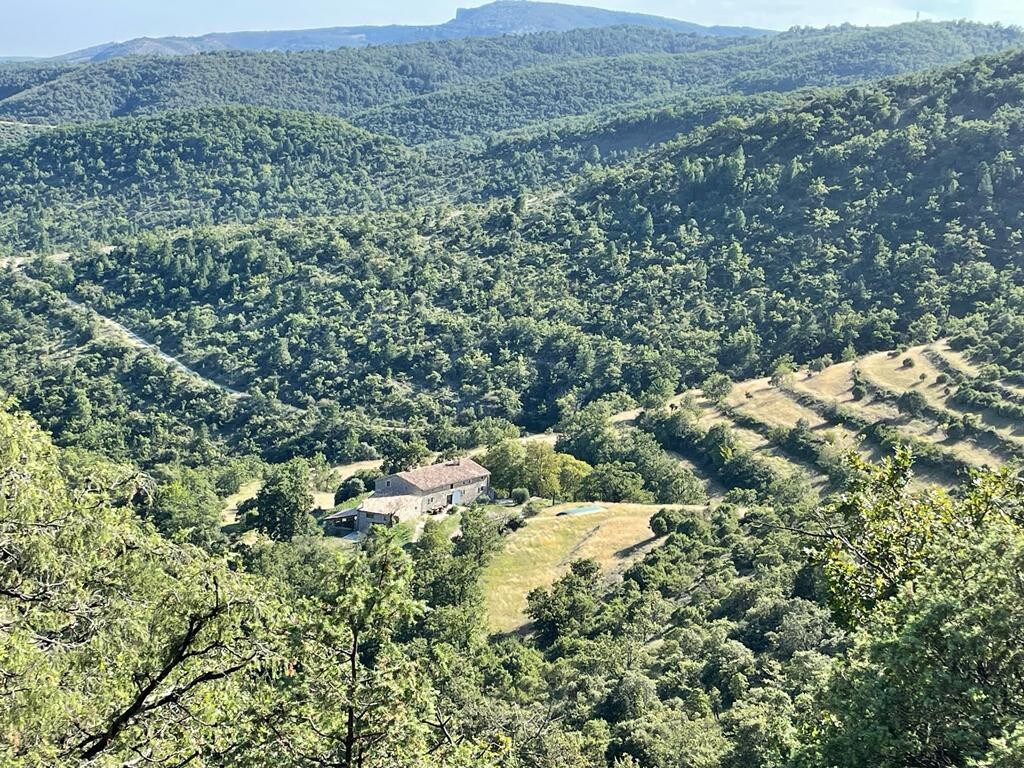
x=586, y=509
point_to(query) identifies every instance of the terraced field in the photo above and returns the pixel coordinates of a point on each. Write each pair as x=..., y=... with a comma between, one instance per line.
x=868, y=406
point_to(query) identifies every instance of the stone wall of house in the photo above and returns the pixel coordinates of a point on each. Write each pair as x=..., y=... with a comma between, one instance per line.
x=462, y=493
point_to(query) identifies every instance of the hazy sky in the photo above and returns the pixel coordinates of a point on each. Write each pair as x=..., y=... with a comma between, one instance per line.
x=50, y=27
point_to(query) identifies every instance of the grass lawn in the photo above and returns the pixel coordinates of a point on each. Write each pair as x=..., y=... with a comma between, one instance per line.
x=538, y=554
x=232, y=502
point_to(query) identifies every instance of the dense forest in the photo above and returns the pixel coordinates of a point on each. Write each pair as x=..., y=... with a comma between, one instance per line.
x=236, y=287
x=533, y=70
x=561, y=105
x=778, y=63
x=195, y=168
x=864, y=219
x=336, y=82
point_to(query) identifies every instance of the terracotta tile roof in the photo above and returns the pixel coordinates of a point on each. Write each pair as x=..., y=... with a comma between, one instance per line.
x=457, y=472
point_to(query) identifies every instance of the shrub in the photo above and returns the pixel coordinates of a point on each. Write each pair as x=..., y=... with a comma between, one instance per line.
x=532, y=509
x=349, y=489
x=908, y=362
x=520, y=495
x=514, y=523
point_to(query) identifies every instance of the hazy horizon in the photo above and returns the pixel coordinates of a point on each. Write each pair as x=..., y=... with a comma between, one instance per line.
x=53, y=27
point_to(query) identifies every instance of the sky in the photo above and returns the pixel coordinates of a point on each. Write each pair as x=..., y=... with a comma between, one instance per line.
x=51, y=27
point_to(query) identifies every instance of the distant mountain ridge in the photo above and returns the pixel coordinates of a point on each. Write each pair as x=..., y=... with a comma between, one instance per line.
x=503, y=17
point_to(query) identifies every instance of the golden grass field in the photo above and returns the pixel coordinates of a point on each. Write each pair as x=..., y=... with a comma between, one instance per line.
x=538, y=554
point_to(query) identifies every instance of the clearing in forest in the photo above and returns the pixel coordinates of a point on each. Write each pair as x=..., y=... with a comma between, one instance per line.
x=541, y=552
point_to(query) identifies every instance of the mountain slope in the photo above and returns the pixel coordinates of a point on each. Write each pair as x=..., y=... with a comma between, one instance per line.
x=91, y=182
x=851, y=222
x=435, y=90
x=195, y=167
x=16, y=77
x=781, y=63
x=335, y=82
x=505, y=17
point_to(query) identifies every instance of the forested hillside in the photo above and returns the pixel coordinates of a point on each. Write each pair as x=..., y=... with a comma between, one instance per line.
x=527, y=130
x=778, y=63
x=335, y=82
x=16, y=77
x=343, y=82
x=195, y=168
x=736, y=325
x=861, y=220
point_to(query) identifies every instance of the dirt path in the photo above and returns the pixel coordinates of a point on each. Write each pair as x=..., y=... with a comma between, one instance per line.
x=124, y=332
x=114, y=328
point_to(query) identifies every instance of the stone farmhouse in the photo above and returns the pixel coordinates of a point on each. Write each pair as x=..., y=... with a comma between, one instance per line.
x=427, y=490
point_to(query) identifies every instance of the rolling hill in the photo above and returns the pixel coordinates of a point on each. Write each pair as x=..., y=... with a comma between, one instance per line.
x=777, y=64
x=800, y=232
x=197, y=167
x=336, y=82
x=748, y=311
x=554, y=116
x=505, y=17
x=477, y=81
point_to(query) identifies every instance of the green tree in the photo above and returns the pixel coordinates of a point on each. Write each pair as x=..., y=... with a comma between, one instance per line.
x=404, y=455
x=283, y=504
x=114, y=637
x=615, y=482
x=717, y=387
x=934, y=674
x=186, y=507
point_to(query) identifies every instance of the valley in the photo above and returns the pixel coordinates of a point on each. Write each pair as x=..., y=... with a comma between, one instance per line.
x=552, y=387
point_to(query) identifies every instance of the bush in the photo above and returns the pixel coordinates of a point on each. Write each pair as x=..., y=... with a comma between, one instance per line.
x=520, y=495
x=908, y=362
x=349, y=489
x=532, y=509
x=690, y=524
x=513, y=524
x=913, y=403
x=717, y=387
x=663, y=523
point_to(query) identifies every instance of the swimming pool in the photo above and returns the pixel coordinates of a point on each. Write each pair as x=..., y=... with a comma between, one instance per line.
x=586, y=509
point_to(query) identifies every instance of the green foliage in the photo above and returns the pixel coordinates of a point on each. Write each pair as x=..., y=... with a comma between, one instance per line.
x=110, y=627
x=349, y=489
x=195, y=168
x=186, y=506
x=718, y=449
x=934, y=661
x=615, y=482
x=717, y=387
x=308, y=80
x=281, y=508
x=536, y=469
x=589, y=435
